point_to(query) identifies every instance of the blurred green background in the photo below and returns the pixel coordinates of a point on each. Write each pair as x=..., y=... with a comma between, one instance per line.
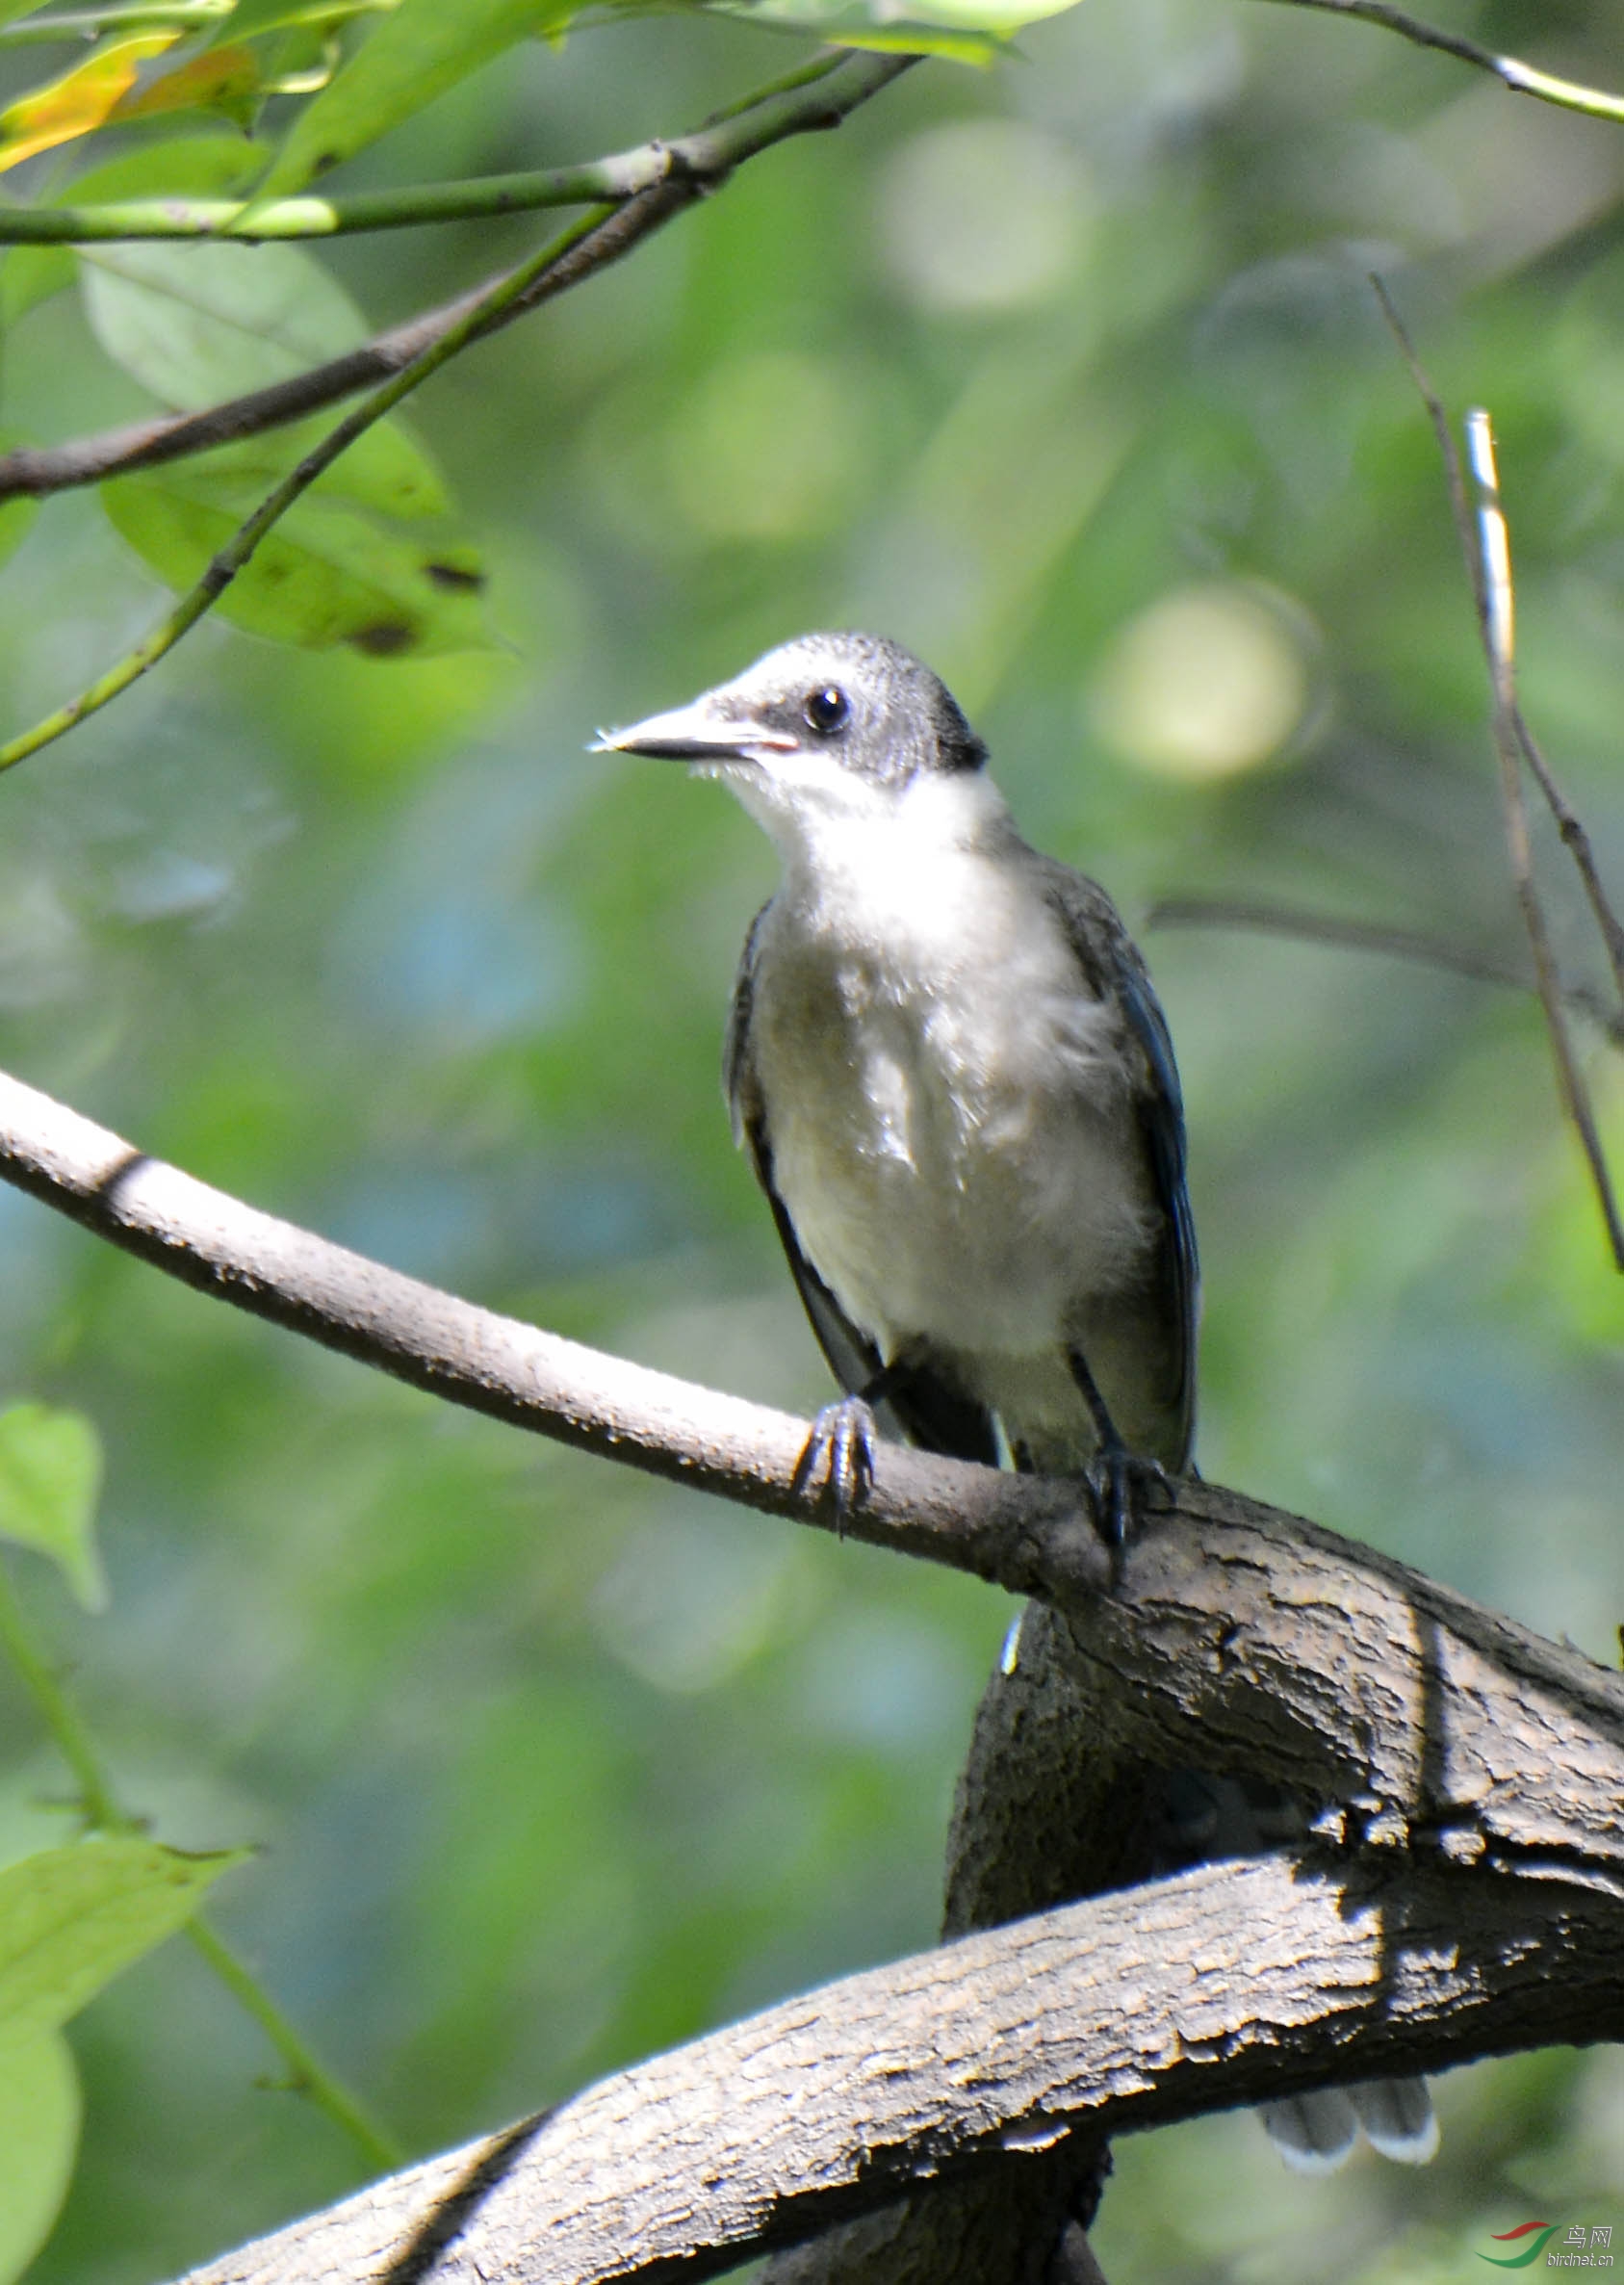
x=1068, y=374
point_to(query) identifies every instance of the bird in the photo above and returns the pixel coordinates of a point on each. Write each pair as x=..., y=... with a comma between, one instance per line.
x=955, y=1083
x=957, y=1088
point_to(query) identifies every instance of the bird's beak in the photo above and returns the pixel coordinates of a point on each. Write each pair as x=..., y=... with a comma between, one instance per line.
x=701, y=732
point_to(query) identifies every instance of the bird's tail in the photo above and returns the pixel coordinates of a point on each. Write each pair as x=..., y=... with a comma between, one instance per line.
x=1314, y=2133
x=1206, y=1817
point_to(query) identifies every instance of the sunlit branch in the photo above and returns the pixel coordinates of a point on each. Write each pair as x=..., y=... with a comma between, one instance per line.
x=310, y=217
x=709, y=155
x=1523, y=79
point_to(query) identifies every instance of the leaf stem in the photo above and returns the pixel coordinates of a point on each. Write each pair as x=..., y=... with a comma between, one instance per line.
x=308, y=2074
x=60, y=1717
x=102, y=1812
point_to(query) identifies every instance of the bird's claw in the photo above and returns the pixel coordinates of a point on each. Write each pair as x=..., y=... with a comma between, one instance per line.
x=1117, y=1480
x=839, y=1455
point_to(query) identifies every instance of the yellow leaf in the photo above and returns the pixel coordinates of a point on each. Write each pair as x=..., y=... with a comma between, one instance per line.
x=78, y=103
x=220, y=79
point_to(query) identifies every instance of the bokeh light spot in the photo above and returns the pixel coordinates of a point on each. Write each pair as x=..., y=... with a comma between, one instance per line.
x=766, y=448
x=1206, y=683
x=983, y=215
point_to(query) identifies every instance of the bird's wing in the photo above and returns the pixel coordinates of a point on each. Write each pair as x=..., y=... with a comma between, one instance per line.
x=1115, y=970
x=918, y=1404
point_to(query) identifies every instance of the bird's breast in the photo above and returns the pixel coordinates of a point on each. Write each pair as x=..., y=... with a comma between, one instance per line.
x=949, y=1108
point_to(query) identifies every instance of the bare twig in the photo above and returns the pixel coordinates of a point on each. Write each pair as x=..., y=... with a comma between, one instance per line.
x=1574, y=836
x=1367, y=936
x=693, y=163
x=1448, y=451
x=1578, y=844
x=1486, y=545
x=1523, y=79
x=1494, y=556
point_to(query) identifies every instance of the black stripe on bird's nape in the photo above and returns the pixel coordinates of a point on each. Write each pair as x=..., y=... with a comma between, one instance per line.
x=957, y=746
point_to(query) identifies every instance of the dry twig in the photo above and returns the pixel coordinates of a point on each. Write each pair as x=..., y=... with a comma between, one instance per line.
x=1485, y=544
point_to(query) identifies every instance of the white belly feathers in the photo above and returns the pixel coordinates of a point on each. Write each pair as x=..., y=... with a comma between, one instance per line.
x=948, y=1132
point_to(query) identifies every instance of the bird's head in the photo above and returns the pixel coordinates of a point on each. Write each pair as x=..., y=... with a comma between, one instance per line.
x=828, y=729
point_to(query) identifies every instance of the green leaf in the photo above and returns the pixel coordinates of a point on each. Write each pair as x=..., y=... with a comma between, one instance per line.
x=385, y=470
x=40, y=2111
x=79, y=101
x=229, y=79
x=197, y=323
x=71, y=1919
x=50, y=1478
x=415, y=55
x=16, y=521
x=332, y=571
x=191, y=166
x=30, y=274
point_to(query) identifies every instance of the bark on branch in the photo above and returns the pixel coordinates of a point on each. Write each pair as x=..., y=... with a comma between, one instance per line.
x=1276, y=1644
x=1219, y=1987
x=1461, y=1891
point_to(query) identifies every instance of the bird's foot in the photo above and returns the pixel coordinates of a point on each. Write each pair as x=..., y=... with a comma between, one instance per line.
x=839, y=1455
x=1118, y=1481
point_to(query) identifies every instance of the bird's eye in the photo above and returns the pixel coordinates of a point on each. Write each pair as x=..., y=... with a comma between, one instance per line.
x=826, y=710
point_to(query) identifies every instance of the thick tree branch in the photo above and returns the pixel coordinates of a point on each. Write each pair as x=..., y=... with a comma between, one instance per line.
x=694, y=164
x=1220, y=1987
x=1348, y=1676
x=946, y=1509
x=1467, y=1896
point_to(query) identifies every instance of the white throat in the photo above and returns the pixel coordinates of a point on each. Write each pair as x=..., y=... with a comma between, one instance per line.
x=847, y=842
